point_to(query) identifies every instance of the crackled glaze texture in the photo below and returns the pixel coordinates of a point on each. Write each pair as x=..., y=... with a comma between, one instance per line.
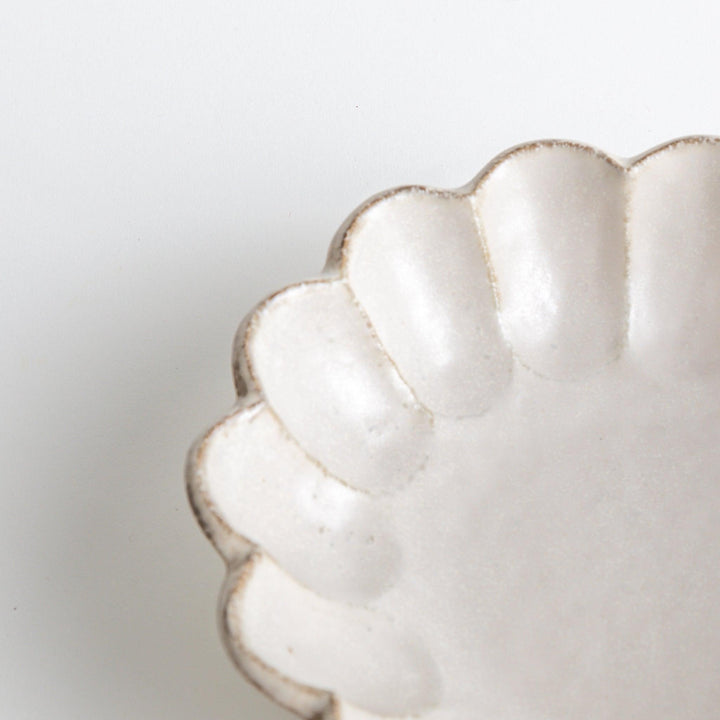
x=473, y=469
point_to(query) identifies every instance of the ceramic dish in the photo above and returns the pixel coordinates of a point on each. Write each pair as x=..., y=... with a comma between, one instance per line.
x=473, y=469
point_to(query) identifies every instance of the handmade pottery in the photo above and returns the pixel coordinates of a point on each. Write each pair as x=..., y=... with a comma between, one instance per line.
x=473, y=469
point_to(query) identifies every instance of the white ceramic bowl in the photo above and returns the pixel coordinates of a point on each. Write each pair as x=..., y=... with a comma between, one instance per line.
x=473, y=469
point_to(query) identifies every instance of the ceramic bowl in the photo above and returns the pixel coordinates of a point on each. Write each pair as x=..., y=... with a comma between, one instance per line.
x=473, y=468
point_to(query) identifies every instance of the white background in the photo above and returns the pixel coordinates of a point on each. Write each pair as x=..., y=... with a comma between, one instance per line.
x=163, y=166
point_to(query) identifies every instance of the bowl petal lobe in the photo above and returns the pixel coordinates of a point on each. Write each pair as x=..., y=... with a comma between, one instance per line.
x=365, y=659
x=674, y=233
x=553, y=219
x=415, y=262
x=324, y=373
x=329, y=537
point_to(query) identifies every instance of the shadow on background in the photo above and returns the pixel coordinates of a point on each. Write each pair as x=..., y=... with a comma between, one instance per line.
x=126, y=601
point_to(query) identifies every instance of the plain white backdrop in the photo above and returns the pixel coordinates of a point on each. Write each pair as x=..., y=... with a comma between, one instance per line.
x=163, y=166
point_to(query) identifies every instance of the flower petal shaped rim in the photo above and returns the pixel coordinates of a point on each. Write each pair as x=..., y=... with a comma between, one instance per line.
x=243, y=555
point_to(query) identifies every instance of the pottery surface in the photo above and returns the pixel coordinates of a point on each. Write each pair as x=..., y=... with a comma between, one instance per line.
x=473, y=468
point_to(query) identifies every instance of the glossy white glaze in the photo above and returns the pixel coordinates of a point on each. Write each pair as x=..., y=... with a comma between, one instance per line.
x=473, y=471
